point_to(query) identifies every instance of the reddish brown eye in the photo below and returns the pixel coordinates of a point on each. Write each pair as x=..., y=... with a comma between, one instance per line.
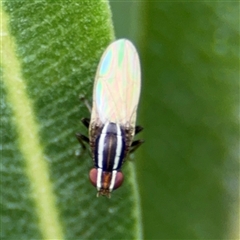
x=119, y=180
x=93, y=176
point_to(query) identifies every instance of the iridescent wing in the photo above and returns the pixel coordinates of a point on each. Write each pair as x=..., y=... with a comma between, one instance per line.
x=117, y=85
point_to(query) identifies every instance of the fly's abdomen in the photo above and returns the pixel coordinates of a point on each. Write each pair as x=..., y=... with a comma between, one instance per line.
x=109, y=148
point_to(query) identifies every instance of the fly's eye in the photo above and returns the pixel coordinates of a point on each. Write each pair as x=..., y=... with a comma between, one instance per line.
x=119, y=180
x=93, y=176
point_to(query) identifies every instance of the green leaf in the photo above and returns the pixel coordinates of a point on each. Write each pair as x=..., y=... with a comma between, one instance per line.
x=49, y=56
x=188, y=169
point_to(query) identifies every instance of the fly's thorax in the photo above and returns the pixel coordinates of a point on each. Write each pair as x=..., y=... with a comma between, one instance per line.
x=110, y=145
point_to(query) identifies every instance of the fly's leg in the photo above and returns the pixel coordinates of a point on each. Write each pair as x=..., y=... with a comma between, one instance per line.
x=86, y=122
x=135, y=145
x=83, y=99
x=82, y=138
x=138, y=129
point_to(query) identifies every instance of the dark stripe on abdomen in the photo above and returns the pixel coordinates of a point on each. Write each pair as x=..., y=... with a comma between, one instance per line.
x=110, y=147
x=109, y=152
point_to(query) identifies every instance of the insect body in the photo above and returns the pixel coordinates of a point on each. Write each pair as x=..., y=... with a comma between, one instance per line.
x=112, y=125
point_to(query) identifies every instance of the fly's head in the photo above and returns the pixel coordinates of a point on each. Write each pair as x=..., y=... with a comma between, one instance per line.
x=105, y=182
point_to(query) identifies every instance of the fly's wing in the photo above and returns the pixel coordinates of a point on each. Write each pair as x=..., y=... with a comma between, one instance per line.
x=117, y=85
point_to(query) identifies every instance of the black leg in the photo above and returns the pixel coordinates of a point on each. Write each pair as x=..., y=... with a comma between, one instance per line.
x=86, y=122
x=135, y=145
x=138, y=129
x=81, y=138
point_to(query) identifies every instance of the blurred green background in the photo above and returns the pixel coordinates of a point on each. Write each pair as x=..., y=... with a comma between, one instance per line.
x=188, y=169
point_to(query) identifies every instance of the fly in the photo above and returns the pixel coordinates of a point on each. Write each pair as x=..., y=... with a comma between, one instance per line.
x=112, y=127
